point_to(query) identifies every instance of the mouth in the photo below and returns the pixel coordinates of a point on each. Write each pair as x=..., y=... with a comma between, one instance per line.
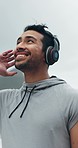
x=21, y=54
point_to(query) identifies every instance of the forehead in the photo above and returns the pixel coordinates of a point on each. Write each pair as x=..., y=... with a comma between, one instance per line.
x=32, y=33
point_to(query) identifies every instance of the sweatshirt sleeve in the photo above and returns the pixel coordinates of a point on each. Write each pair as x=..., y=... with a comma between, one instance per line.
x=5, y=97
x=73, y=111
x=69, y=105
x=0, y=110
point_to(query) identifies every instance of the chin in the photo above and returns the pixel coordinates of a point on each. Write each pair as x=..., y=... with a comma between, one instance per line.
x=21, y=66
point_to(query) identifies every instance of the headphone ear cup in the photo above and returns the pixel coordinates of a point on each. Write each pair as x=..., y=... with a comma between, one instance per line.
x=52, y=55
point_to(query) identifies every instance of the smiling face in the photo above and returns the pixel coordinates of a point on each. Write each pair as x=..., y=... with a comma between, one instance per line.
x=28, y=53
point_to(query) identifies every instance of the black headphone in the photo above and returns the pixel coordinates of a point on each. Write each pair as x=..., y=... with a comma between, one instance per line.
x=52, y=53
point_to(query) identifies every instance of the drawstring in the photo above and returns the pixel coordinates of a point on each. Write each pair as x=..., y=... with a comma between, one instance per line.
x=18, y=104
x=27, y=102
x=21, y=102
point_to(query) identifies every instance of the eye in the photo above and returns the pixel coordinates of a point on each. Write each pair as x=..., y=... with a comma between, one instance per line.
x=18, y=42
x=30, y=41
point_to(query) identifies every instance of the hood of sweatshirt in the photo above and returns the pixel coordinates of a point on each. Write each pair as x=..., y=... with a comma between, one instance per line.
x=35, y=87
x=43, y=84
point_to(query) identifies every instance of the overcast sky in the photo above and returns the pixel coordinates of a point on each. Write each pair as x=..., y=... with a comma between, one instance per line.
x=61, y=16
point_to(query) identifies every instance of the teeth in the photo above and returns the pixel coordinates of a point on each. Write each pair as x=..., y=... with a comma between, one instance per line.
x=20, y=55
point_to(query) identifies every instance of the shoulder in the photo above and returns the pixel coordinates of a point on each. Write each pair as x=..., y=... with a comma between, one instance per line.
x=7, y=95
x=6, y=92
x=69, y=105
x=67, y=92
x=68, y=97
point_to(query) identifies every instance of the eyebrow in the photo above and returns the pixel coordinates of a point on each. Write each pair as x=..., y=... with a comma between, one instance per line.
x=27, y=37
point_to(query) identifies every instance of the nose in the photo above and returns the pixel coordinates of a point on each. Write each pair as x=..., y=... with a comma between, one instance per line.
x=20, y=47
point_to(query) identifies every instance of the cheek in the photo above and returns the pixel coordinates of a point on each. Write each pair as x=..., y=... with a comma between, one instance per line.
x=36, y=52
x=40, y=55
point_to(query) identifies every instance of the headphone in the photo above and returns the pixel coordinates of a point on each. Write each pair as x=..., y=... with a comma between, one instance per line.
x=52, y=53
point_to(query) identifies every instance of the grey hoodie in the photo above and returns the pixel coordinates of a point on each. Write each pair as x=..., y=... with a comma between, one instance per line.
x=38, y=115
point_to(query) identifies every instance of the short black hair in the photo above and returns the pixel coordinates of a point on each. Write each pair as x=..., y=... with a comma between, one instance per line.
x=48, y=37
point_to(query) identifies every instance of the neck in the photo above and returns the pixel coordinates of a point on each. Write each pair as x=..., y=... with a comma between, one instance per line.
x=35, y=76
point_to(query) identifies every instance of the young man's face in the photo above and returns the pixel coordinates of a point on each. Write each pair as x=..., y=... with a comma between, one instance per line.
x=28, y=53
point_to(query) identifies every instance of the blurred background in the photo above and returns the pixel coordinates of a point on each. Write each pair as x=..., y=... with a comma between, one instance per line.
x=61, y=19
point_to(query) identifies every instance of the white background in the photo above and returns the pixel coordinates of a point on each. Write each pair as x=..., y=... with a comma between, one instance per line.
x=61, y=16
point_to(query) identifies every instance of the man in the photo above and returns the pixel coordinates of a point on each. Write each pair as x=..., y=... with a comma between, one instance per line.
x=43, y=113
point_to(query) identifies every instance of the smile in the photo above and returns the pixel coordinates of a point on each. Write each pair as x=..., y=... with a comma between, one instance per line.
x=22, y=54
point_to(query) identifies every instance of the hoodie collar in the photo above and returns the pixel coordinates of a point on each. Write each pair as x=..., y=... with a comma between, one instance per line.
x=43, y=84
